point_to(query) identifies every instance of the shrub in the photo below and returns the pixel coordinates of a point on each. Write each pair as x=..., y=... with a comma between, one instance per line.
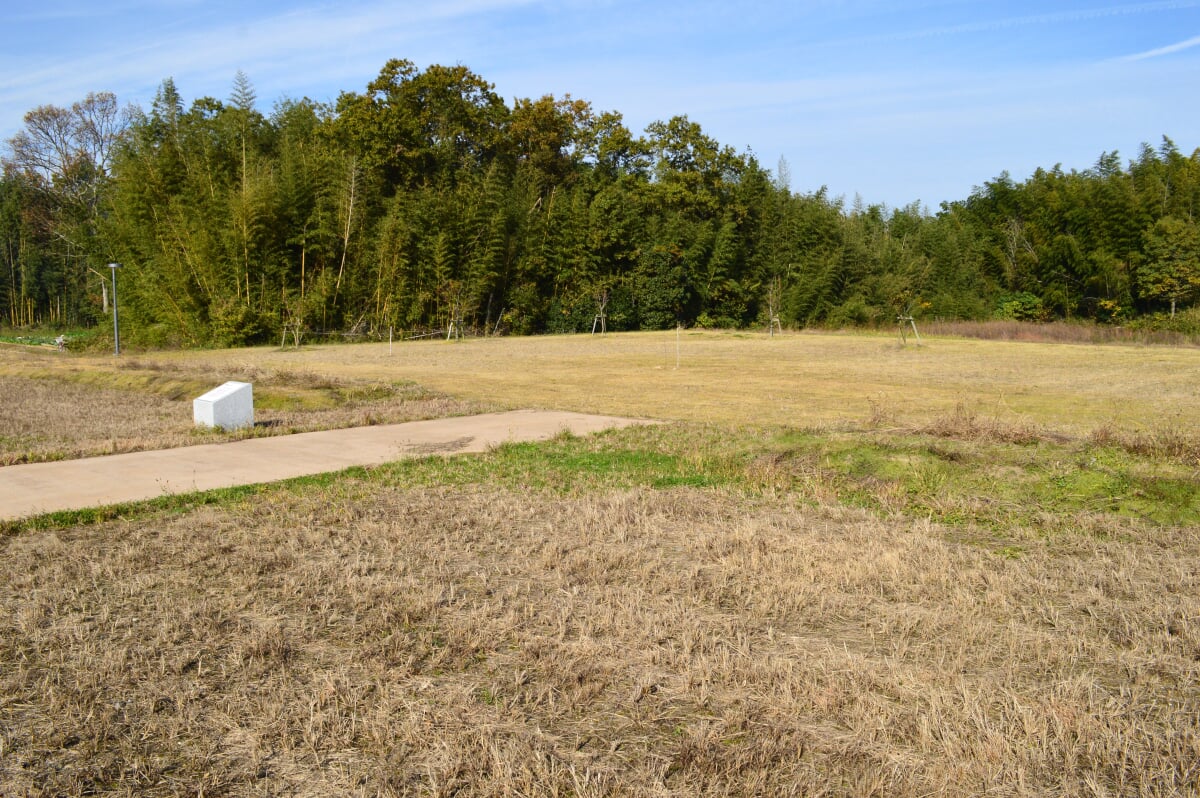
x=1185, y=322
x=1021, y=306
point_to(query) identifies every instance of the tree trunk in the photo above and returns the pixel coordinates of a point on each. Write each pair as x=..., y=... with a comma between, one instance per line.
x=346, y=237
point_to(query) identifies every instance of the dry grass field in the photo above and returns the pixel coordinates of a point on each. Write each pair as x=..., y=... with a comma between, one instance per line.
x=848, y=569
x=56, y=408
x=804, y=380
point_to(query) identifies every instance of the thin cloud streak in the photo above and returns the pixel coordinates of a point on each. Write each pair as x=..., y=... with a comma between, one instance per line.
x=1187, y=44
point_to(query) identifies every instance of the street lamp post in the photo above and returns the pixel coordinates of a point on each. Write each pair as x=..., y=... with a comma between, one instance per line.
x=116, y=327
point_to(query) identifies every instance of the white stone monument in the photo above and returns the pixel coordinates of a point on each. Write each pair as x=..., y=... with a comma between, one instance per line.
x=229, y=406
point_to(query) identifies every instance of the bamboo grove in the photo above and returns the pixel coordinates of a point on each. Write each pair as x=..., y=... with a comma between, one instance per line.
x=426, y=203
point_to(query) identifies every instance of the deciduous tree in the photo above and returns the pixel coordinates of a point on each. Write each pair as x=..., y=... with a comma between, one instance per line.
x=1172, y=269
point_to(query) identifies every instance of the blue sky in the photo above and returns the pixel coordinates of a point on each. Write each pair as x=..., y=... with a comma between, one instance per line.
x=893, y=101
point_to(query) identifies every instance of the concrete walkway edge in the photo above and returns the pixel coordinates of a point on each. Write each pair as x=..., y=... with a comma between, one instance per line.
x=36, y=488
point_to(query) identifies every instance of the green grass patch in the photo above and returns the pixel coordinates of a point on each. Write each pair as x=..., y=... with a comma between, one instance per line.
x=75, y=338
x=567, y=464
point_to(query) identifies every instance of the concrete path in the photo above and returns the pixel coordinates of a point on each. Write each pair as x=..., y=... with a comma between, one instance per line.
x=27, y=490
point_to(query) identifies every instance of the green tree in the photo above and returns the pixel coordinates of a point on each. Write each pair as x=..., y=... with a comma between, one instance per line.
x=423, y=128
x=14, y=255
x=308, y=168
x=1172, y=269
x=62, y=158
x=550, y=137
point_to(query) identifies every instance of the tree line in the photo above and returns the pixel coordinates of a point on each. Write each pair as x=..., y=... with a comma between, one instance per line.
x=427, y=203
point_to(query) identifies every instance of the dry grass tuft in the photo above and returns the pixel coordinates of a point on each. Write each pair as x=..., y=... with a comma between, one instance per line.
x=964, y=423
x=1166, y=442
x=476, y=641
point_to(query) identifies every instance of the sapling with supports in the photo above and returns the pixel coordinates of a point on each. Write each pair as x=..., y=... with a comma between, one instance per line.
x=601, y=319
x=774, y=301
x=906, y=322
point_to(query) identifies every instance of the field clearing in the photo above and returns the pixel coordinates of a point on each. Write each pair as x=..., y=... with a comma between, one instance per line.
x=805, y=379
x=792, y=590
